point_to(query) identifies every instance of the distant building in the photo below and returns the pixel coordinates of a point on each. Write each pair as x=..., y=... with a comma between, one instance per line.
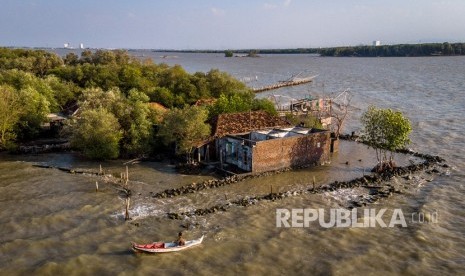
x=67, y=45
x=81, y=46
x=376, y=43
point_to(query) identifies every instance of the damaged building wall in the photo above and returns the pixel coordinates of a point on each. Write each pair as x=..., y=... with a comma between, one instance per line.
x=236, y=152
x=291, y=152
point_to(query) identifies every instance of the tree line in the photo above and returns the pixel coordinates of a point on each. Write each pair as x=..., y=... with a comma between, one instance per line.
x=398, y=50
x=113, y=90
x=401, y=50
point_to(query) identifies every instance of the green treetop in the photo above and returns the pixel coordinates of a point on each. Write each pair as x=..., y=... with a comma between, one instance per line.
x=386, y=131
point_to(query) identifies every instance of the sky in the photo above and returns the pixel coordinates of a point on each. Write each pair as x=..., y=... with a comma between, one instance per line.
x=228, y=24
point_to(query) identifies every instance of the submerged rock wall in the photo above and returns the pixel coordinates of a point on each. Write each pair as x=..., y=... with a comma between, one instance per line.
x=431, y=165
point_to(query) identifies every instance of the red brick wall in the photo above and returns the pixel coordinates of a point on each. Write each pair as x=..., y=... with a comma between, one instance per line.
x=291, y=152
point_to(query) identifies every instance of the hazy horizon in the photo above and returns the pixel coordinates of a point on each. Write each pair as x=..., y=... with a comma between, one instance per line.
x=220, y=25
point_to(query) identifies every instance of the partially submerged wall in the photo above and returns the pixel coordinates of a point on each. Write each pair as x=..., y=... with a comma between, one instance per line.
x=294, y=151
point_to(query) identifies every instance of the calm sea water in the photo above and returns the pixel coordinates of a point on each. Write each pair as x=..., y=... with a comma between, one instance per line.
x=55, y=223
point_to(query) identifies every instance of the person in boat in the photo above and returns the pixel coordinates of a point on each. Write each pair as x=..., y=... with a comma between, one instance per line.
x=180, y=241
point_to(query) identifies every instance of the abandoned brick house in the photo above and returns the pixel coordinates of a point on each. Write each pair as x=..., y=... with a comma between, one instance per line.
x=258, y=142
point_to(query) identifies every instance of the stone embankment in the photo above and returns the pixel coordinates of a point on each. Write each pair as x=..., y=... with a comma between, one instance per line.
x=211, y=184
x=371, y=182
x=428, y=157
x=216, y=183
x=376, y=184
x=70, y=170
x=120, y=184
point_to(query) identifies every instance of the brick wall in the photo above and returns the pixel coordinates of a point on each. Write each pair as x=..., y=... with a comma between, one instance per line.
x=291, y=152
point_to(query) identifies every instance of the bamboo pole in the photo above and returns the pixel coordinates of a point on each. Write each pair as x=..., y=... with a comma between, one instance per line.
x=126, y=214
x=126, y=185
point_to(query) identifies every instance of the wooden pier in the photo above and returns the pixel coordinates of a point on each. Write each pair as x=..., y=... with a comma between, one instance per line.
x=291, y=82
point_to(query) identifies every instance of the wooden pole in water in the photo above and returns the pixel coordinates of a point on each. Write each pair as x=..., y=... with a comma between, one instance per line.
x=127, y=178
x=96, y=186
x=126, y=214
x=271, y=187
x=314, y=183
x=100, y=171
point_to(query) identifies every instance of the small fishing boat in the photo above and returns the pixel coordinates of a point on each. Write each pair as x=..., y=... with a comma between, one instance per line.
x=164, y=247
